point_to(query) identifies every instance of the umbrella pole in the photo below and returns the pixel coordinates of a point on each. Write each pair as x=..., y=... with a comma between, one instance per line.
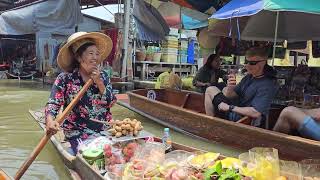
x=275, y=39
x=179, y=50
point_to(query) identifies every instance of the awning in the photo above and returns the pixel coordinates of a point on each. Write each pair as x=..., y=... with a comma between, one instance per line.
x=151, y=25
x=53, y=16
x=200, y=5
x=179, y=16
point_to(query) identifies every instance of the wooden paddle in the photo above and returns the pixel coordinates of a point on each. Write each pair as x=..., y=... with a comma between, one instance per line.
x=46, y=137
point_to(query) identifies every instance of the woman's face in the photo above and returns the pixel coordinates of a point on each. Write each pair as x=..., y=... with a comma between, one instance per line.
x=89, y=58
x=215, y=64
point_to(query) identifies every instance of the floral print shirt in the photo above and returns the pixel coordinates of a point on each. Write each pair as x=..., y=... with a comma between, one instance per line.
x=93, y=105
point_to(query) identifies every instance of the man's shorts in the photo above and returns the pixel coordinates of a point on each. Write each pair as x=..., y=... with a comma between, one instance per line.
x=310, y=128
x=219, y=98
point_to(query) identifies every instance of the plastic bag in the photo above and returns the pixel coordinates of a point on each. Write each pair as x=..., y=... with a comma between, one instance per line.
x=266, y=161
x=291, y=170
x=310, y=168
x=152, y=152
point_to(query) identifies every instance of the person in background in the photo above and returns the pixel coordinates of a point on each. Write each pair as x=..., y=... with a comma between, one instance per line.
x=79, y=58
x=252, y=97
x=305, y=121
x=209, y=75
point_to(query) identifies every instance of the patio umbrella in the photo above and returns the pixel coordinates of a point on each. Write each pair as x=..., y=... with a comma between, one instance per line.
x=270, y=20
x=293, y=20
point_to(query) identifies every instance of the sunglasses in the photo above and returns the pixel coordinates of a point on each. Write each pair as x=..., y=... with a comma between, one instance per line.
x=252, y=62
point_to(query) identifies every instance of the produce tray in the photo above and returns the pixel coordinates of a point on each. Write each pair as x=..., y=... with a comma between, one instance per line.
x=142, y=134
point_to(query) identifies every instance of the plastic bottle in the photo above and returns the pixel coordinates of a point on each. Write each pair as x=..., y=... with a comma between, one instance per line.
x=166, y=139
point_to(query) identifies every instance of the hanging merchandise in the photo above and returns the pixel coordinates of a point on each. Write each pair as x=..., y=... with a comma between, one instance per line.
x=241, y=47
x=300, y=77
x=225, y=47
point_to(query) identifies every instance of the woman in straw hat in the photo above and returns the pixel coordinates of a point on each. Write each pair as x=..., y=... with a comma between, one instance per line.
x=80, y=58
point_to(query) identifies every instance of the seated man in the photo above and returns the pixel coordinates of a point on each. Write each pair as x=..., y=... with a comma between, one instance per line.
x=251, y=97
x=305, y=121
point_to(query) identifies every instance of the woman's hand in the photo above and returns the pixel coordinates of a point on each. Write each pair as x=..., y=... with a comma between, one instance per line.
x=95, y=75
x=52, y=127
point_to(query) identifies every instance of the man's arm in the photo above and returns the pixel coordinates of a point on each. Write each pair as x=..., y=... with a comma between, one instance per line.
x=229, y=92
x=245, y=111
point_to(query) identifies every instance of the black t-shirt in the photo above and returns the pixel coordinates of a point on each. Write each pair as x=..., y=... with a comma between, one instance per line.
x=207, y=75
x=257, y=93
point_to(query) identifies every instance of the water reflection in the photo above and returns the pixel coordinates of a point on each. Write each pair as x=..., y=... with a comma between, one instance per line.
x=19, y=134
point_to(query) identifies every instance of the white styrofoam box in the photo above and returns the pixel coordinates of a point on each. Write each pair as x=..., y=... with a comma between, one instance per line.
x=183, y=36
x=174, y=32
x=190, y=33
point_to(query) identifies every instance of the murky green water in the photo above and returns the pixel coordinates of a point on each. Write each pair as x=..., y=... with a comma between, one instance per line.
x=19, y=134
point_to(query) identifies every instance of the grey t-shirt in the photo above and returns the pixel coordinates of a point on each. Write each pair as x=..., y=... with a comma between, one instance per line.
x=257, y=93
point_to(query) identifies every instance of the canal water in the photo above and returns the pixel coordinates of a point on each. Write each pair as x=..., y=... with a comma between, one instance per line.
x=19, y=134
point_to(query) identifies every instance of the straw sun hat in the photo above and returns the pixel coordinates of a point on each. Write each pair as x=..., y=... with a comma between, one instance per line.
x=76, y=40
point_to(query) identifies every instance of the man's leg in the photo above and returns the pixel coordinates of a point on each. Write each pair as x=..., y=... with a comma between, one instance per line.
x=314, y=113
x=290, y=118
x=211, y=92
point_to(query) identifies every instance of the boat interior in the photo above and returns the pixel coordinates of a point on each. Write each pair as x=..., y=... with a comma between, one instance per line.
x=194, y=101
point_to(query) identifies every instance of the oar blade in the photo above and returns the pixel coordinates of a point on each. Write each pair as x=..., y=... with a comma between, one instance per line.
x=4, y=175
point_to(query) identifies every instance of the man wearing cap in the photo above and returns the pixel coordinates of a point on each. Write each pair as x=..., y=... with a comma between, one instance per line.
x=80, y=58
x=252, y=97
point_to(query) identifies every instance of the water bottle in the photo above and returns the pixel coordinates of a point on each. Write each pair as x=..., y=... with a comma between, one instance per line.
x=166, y=140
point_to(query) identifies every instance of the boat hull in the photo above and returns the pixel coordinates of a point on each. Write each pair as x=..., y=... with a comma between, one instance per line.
x=78, y=167
x=233, y=134
x=24, y=76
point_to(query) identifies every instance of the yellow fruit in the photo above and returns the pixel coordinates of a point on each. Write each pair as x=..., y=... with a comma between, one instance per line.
x=230, y=162
x=281, y=178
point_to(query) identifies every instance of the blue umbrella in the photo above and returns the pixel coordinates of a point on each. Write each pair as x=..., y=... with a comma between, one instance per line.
x=293, y=20
x=268, y=20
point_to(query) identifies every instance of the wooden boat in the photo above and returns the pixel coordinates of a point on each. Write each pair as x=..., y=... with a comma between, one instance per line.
x=22, y=76
x=184, y=111
x=78, y=167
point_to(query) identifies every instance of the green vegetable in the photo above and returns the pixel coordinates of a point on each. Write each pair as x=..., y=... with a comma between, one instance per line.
x=215, y=170
x=222, y=174
x=230, y=174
